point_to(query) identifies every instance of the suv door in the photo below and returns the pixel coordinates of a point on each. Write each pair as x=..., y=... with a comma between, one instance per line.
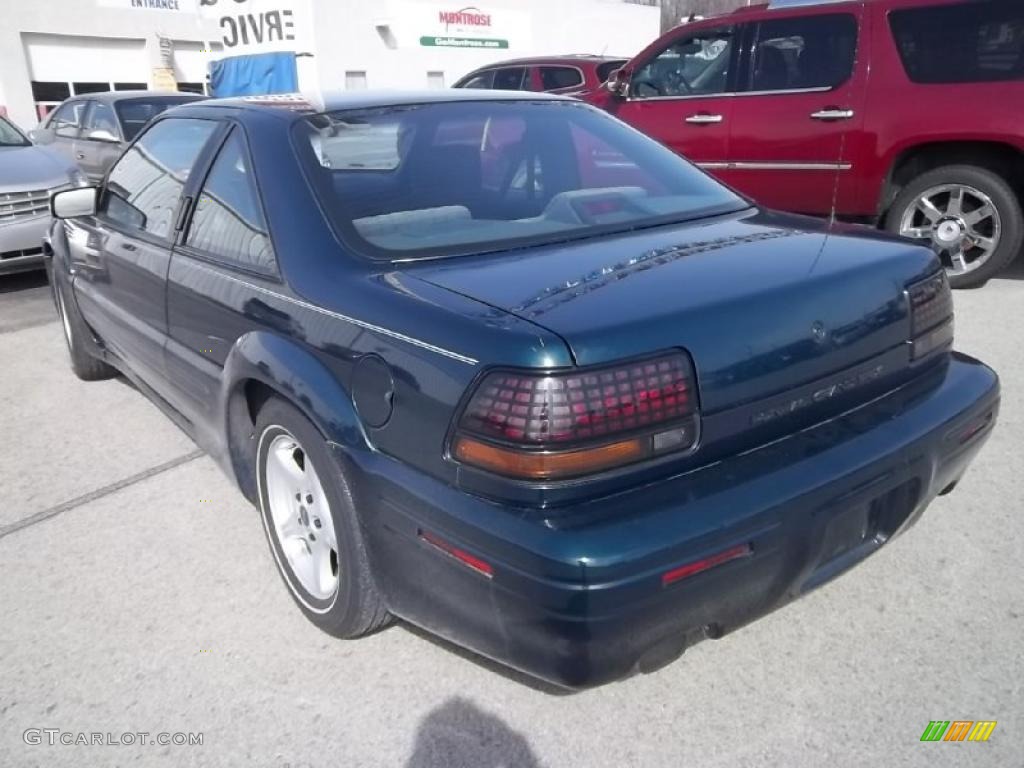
x=803, y=92
x=681, y=93
x=121, y=255
x=99, y=143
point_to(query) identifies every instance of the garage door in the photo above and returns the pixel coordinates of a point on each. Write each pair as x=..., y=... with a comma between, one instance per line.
x=71, y=58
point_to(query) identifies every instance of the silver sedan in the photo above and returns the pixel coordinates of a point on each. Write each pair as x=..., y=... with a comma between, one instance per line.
x=29, y=175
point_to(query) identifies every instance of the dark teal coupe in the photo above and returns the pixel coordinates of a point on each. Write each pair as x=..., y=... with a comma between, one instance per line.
x=503, y=367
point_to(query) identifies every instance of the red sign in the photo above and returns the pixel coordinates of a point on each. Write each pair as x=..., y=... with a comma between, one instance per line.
x=467, y=17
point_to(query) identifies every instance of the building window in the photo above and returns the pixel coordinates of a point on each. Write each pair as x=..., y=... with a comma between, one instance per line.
x=192, y=88
x=80, y=88
x=129, y=86
x=355, y=81
x=435, y=79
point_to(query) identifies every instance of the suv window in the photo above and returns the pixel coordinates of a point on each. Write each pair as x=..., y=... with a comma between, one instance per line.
x=68, y=119
x=101, y=118
x=553, y=78
x=806, y=52
x=510, y=79
x=483, y=79
x=135, y=113
x=228, y=221
x=964, y=43
x=694, y=65
x=145, y=184
x=605, y=70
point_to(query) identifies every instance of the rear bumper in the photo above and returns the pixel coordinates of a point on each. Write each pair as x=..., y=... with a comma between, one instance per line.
x=21, y=244
x=576, y=596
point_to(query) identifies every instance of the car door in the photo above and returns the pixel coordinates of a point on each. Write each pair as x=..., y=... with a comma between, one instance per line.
x=483, y=80
x=226, y=240
x=99, y=143
x=62, y=129
x=681, y=93
x=121, y=255
x=803, y=94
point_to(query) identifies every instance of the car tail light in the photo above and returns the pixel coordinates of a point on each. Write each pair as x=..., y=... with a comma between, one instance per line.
x=541, y=425
x=931, y=315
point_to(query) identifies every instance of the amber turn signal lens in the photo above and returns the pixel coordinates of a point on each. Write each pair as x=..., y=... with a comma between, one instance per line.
x=549, y=466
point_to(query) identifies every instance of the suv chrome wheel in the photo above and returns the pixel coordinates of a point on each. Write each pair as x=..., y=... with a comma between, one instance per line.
x=961, y=223
x=301, y=516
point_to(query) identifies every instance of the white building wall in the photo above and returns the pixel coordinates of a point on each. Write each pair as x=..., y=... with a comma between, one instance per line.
x=383, y=38
x=376, y=43
x=88, y=40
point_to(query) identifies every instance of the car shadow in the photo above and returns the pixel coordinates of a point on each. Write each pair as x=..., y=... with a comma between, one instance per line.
x=23, y=281
x=458, y=734
x=494, y=667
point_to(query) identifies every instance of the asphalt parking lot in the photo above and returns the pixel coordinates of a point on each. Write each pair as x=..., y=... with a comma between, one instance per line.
x=137, y=595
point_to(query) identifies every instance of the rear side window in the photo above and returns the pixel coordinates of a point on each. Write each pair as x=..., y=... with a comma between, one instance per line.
x=145, y=185
x=228, y=222
x=553, y=78
x=966, y=43
x=510, y=79
x=804, y=52
x=135, y=113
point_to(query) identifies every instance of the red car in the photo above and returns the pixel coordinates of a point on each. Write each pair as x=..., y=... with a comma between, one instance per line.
x=908, y=114
x=570, y=75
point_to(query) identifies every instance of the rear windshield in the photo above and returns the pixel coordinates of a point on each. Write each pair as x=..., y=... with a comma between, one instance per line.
x=471, y=177
x=964, y=43
x=135, y=113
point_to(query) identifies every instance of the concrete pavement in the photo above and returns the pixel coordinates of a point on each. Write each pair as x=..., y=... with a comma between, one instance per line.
x=137, y=594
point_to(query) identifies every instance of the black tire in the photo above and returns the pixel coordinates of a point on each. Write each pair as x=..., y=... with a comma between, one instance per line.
x=1003, y=198
x=78, y=335
x=355, y=608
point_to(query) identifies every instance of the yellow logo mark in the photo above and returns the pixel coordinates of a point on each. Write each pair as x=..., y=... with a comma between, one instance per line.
x=982, y=730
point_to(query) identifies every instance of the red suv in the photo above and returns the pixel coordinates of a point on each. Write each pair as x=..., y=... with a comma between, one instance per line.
x=569, y=75
x=908, y=114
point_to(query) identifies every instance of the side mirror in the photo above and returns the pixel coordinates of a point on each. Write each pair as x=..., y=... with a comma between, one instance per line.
x=74, y=202
x=41, y=136
x=618, y=82
x=102, y=134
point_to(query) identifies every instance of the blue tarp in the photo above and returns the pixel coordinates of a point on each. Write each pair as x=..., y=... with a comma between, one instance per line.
x=259, y=74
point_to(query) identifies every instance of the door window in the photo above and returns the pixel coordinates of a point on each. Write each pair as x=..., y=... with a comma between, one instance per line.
x=68, y=119
x=484, y=80
x=145, y=185
x=696, y=65
x=101, y=118
x=228, y=221
x=511, y=79
x=804, y=52
x=965, y=43
x=553, y=78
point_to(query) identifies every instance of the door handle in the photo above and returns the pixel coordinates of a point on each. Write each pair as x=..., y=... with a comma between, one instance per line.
x=832, y=113
x=80, y=155
x=128, y=247
x=704, y=119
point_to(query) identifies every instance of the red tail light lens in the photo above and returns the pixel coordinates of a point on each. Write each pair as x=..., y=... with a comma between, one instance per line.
x=561, y=424
x=931, y=315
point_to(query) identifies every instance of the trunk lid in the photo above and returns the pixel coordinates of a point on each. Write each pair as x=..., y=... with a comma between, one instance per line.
x=764, y=303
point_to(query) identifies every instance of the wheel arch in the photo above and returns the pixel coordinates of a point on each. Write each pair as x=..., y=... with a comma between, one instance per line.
x=909, y=162
x=262, y=365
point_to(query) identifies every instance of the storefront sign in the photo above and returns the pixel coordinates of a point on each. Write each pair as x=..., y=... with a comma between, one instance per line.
x=472, y=27
x=184, y=6
x=260, y=26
